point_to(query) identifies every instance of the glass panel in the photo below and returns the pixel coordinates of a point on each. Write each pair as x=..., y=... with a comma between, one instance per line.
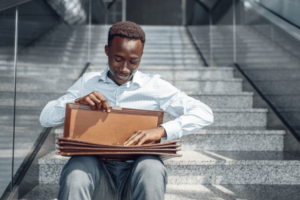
x=213, y=32
x=222, y=33
x=270, y=58
x=7, y=33
x=99, y=33
x=289, y=9
x=53, y=51
x=34, y=21
x=199, y=26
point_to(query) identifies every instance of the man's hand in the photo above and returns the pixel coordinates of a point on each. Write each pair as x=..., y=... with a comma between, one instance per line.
x=95, y=100
x=142, y=136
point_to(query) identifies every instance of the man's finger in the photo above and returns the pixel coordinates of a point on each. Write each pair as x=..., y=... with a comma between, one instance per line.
x=131, y=139
x=83, y=101
x=96, y=101
x=135, y=140
x=142, y=140
x=105, y=105
x=132, y=136
x=90, y=102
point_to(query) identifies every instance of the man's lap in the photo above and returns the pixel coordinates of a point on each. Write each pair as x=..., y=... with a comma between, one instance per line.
x=146, y=172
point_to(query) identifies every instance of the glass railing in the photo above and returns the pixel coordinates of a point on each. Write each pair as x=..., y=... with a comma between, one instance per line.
x=263, y=46
x=42, y=53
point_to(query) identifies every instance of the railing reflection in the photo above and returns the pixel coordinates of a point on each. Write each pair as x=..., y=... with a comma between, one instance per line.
x=266, y=50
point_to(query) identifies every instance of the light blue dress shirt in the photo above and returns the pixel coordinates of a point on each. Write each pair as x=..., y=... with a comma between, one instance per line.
x=144, y=91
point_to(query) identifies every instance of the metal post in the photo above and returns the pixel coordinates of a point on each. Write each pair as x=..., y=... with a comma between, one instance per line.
x=15, y=93
x=210, y=40
x=183, y=12
x=89, y=31
x=234, y=31
x=123, y=10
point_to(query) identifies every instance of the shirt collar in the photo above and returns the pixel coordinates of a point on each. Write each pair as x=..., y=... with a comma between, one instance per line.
x=137, y=79
x=104, y=76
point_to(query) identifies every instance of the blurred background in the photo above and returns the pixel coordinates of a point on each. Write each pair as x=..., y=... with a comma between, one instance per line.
x=46, y=45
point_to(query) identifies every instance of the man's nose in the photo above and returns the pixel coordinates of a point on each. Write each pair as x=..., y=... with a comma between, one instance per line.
x=124, y=68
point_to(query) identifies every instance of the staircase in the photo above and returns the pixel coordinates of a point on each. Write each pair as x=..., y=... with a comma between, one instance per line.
x=269, y=58
x=234, y=158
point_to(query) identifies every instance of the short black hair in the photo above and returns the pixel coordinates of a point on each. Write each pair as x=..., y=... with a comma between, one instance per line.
x=126, y=29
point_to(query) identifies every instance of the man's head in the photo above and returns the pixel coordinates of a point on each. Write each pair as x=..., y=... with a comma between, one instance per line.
x=124, y=50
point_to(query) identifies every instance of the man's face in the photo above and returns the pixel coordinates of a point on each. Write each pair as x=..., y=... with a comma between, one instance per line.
x=124, y=57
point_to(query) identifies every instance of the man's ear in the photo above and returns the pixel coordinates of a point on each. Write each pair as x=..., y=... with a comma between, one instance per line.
x=106, y=49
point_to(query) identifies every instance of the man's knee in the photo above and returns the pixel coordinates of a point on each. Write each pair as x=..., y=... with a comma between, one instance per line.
x=149, y=167
x=80, y=171
x=149, y=178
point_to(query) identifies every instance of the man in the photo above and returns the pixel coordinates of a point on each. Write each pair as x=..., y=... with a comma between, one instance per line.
x=121, y=84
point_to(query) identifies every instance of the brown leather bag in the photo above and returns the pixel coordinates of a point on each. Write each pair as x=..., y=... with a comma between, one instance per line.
x=93, y=132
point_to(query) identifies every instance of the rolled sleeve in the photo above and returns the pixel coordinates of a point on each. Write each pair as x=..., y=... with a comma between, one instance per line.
x=171, y=128
x=191, y=114
x=53, y=113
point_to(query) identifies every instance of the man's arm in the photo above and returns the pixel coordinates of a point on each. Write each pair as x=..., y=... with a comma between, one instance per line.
x=191, y=114
x=53, y=113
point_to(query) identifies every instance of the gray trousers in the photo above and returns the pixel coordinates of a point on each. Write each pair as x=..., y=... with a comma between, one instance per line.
x=80, y=177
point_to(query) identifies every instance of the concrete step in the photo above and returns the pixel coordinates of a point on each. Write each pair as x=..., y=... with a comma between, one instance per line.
x=235, y=118
x=209, y=167
x=268, y=50
x=4, y=65
x=273, y=74
x=245, y=55
x=225, y=192
x=258, y=60
x=6, y=165
x=193, y=192
x=208, y=85
x=190, y=73
x=35, y=71
x=83, y=59
x=84, y=46
x=102, y=55
x=160, y=61
x=23, y=139
x=83, y=40
x=99, y=51
x=228, y=100
x=33, y=100
x=27, y=118
x=233, y=140
x=61, y=85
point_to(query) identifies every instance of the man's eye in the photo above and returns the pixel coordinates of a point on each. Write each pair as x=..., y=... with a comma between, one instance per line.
x=118, y=60
x=134, y=62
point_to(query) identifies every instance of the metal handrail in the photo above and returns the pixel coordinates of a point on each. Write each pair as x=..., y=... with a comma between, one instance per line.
x=106, y=9
x=207, y=9
x=272, y=107
x=6, y=4
x=288, y=21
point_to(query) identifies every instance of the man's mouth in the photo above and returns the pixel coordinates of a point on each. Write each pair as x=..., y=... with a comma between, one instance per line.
x=123, y=77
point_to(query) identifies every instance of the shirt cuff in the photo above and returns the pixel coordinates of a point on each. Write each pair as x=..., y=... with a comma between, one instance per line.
x=172, y=129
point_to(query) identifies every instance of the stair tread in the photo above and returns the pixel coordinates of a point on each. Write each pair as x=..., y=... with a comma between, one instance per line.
x=234, y=158
x=191, y=192
x=209, y=158
x=240, y=132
